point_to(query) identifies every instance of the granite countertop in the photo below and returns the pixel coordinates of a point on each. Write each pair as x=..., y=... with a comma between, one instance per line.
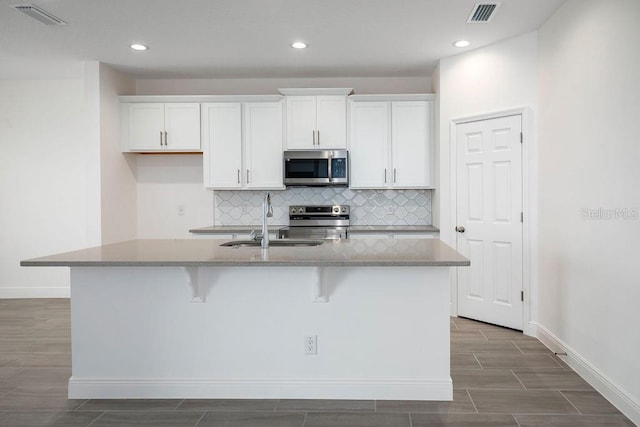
x=393, y=229
x=222, y=229
x=208, y=252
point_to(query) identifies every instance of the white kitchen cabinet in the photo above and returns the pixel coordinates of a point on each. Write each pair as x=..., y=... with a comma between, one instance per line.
x=369, y=144
x=263, y=145
x=390, y=144
x=316, y=121
x=152, y=127
x=301, y=122
x=222, y=144
x=242, y=145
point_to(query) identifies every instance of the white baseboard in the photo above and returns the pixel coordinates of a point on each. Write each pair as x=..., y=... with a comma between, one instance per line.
x=598, y=380
x=34, y=292
x=98, y=388
x=531, y=329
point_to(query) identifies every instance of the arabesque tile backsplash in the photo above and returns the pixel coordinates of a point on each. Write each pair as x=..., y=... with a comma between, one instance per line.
x=368, y=207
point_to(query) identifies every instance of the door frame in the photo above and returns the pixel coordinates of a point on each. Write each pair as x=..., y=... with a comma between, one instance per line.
x=529, y=205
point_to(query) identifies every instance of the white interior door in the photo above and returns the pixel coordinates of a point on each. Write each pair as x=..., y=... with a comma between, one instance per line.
x=489, y=224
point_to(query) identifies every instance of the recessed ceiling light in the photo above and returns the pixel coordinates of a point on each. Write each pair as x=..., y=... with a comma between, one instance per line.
x=461, y=43
x=299, y=45
x=138, y=46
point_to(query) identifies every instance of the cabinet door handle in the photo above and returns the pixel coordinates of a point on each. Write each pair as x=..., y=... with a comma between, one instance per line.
x=313, y=133
x=318, y=138
x=247, y=176
x=166, y=135
x=160, y=138
x=238, y=176
x=395, y=175
x=385, y=175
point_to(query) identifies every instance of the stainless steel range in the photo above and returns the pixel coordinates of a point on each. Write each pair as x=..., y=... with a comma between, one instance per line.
x=317, y=222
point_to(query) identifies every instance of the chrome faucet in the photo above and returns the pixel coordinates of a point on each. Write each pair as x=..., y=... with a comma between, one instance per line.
x=267, y=211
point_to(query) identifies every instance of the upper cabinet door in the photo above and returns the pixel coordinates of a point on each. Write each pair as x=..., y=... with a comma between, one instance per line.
x=263, y=140
x=316, y=121
x=369, y=144
x=182, y=126
x=411, y=136
x=146, y=127
x=301, y=122
x=390, y=144
x=331, y=121
x=222, y=136
x=161, y=127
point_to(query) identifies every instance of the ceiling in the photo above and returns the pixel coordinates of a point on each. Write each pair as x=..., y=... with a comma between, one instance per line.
x=251, y=38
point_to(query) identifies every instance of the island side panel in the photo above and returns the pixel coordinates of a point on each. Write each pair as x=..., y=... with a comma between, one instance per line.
x=382, y=334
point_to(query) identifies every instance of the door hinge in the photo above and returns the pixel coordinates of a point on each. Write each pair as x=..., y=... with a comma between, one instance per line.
x=521, y=138
x=521, y=216
x=521, y=295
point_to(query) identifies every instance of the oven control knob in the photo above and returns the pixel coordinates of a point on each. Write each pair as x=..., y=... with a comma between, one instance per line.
x=344, y=209
x=336, y=209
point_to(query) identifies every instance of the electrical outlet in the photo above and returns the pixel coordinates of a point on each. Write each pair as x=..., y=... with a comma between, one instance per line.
x=244, y=209
x=389, y=210
x=310, y=344
x=180, y=209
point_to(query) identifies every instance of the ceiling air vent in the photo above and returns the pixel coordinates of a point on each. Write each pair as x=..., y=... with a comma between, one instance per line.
x=482, y=12
x=41, y=15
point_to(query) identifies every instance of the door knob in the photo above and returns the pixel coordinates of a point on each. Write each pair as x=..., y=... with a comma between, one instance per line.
x=460, y=229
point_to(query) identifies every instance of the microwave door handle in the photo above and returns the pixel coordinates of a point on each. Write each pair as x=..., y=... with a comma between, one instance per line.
x=330, y=172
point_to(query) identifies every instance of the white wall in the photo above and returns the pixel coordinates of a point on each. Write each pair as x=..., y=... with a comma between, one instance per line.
x=360, y=85
x=495, y=78
x=117, y=171
x=64, y=185
x=45, y=153
x=165, y=182
x=589, y=270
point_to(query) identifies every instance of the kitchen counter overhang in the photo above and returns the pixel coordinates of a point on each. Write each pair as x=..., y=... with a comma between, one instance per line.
x=209, y=253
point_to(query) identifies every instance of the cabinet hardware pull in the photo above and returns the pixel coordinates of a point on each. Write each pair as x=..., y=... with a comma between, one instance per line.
x=165, y=138
x=385, y=175
x=247, y=176
x=238, y=176
x=318, y=138
x=313, y=133
x=395, y=176
x=160, y=138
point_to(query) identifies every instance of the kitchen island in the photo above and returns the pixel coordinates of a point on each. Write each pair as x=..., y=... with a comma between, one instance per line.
x=193, y=319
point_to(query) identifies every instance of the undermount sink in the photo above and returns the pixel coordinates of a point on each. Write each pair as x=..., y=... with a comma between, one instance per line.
x=272, y=243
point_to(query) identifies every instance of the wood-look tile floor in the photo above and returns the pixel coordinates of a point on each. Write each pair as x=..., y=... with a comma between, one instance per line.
x=500, y=377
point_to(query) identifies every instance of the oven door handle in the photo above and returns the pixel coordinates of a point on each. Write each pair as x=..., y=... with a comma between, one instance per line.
x=330, y=172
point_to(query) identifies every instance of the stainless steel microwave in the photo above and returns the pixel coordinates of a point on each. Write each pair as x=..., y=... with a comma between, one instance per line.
x=316, y=167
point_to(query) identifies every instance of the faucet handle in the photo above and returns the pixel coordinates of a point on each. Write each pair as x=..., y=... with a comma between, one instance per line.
x=253, y=235
x=269, y=206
